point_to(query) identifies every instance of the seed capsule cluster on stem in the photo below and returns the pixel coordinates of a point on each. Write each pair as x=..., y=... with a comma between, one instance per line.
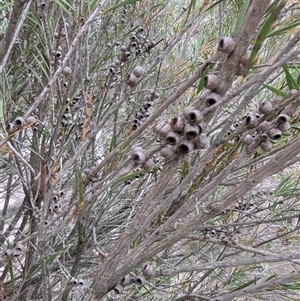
x=142, y=279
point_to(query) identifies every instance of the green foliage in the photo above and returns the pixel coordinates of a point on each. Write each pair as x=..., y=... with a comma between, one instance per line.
x=209, y=222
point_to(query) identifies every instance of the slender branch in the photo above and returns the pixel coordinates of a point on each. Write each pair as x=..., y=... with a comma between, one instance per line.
x=227, y=263
x=13, y=30
x=257, y=288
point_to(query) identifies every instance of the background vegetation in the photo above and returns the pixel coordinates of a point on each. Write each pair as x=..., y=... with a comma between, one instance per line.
x=97, y=201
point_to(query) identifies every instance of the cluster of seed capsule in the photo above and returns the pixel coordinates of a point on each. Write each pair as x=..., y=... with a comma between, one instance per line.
x=76, y=282
x=56, y=61
x=140, y=158
x=18, y=250
x=125, y=10
x=147, y=272
x=240, y=206
x=138, y=44
x=20, y=123
x=183, y=133
x=220, y=233
x=133, y=77
x=145, y=110
x=266, y=131
x=54, y=209
x=56, y=56
x=155, y=159
x=227, y=45
x=71, y=108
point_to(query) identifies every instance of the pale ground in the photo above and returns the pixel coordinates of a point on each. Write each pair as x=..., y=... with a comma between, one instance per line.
x=15, y=200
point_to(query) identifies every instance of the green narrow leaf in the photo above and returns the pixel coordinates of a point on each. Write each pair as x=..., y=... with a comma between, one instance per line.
x=65, y=6
x=132, y=175
x=254, y=281
x=80, y=186
x=191, y=8
x=283, y=186
x=11, y=272
x=113, y=143
x=265, y=29
x=91, y=5
x=290, y=79
x=298, y=221
x=201, y=82
x=1, y=111
x=185, y=170
x=213, y=5
x=276, y=91
x=290, y=286
x=283, y=29
x=271, y=277
x=120, y=5
x=42, y=64
x=241, y=17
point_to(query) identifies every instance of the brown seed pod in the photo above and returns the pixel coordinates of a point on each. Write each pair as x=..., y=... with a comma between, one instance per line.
x=265, y=108
x=148, y=270
x=56, y=208
x=131, y=80
x=73, y=281
x=66, y=71
x=31, y=119
x=177, y=124
x=16, y=252
x=126, y=280
x=19, y=247
x=148, y=165
x=266, y=146
x=201, y=142
x=251, y=121
x=192, y=115
x=118, y=289
x=138, y=71
x=191, y=130
x=248, y=139
x=167, y=151
x=275, y=133
x=212, y=99
x=293, y=92
x=19, y=122
x=282, y=118
x=264, y=126
x=245, y=58
x=185, y=147
x=232, y=128
x=202, y=126
x=226, y=45
x=140, y=280
x=173, y=138
x=138, y=155
x=211, y=81
x=284, y=126
x=264, y=137
x=11, y=128
x=162, y=129
x=8, y=252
